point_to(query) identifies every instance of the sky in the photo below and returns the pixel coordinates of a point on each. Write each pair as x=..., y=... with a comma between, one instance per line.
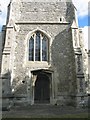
x=83, y=15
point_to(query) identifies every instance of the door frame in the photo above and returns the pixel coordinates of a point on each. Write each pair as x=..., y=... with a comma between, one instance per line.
x=49, y=73
x=38, y=84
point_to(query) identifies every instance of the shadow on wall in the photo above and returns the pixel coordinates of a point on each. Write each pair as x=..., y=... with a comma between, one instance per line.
x=70, y=14
x=2, y=43
x=63, y=60
x=7, y=87
x=6, y=90
x=6, y=84
x=8, y=97
x=20, y=86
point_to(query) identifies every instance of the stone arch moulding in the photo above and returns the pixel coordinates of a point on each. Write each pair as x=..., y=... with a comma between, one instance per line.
x=28, y=37
x=49, y=74
x=38, y=29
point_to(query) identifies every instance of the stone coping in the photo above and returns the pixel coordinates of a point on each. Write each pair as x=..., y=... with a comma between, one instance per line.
x=41, y=22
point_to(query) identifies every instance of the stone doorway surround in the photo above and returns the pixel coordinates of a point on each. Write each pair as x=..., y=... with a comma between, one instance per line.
x=42, y=88
x=31, y=85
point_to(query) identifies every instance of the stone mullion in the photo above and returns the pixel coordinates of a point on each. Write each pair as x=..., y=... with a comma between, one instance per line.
x=48, y=57
x=34, y=45
x=41, y=48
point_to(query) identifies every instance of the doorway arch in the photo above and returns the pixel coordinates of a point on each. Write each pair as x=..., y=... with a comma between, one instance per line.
x=42, y=88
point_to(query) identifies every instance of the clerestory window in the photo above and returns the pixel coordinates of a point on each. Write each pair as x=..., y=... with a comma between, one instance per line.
x=38, y=47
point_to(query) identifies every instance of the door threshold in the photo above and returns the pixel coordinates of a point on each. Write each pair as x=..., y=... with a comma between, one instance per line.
x=41, y=104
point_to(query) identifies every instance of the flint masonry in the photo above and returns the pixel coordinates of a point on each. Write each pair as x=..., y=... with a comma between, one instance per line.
x=42, y=58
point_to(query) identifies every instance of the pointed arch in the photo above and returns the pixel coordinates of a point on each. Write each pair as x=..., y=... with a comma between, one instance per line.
x=38, y=29
x=38, y=47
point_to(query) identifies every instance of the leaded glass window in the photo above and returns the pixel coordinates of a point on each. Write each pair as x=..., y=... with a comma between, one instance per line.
x=44, y=49
x=31, y=49
x=38, y=47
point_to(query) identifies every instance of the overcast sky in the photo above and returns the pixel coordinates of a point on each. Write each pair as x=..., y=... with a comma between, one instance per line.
x=83, y=13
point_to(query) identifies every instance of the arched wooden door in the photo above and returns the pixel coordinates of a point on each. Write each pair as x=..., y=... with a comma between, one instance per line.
x=42, y=89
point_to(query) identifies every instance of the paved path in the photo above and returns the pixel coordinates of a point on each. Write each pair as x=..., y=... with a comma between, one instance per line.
x=45, y=111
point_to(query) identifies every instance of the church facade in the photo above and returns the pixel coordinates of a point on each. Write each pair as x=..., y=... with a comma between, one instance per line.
x=42, y=58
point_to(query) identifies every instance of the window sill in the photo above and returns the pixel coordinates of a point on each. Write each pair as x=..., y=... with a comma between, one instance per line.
x=37, y=64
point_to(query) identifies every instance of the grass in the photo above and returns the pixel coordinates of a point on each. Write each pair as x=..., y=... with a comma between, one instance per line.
x=80, y=115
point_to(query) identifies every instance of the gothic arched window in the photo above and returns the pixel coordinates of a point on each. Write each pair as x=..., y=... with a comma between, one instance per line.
x=38, y=47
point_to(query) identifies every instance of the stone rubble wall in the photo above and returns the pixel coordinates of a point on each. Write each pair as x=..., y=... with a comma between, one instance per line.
x=40, y=11
x=61, y=50
x=61, y=45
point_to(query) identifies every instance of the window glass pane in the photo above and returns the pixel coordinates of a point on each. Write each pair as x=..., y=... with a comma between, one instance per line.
x=44, y=49
x=31, y=49
x=39, y=51
x=37, y=47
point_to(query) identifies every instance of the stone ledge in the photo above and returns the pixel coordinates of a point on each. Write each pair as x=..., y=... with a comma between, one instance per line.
x=80, y=75
x=41, y=22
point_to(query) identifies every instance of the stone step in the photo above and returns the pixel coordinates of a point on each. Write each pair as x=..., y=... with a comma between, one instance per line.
x=35, y=106
x=38, y=107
